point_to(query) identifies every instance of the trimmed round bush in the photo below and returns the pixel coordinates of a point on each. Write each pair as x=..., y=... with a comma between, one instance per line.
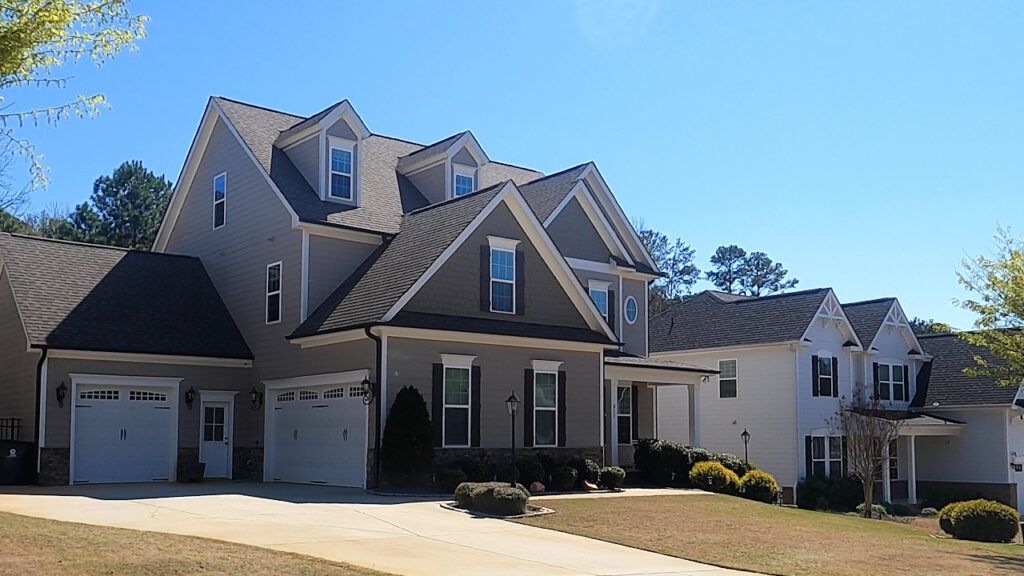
x=760, y=486
x=586, y=470
x=929, y=512
x=738, y=465
x=714, y=477
x=464, y=494
x=983, y=521
x=451, y=478
x=500, y=499
x=531, y=471
x=612, y=477
x=945, y=517
x=475, y=469
x=564, y=479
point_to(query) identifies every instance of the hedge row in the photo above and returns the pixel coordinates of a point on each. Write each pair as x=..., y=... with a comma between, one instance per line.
x=667, y=463
x=561, y=477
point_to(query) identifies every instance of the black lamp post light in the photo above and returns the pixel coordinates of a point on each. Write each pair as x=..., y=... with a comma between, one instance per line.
x=512, y=404
x=746, y=440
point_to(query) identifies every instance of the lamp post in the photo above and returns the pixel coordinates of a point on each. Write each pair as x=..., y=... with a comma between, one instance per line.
x=746, y=440
x=512, y=404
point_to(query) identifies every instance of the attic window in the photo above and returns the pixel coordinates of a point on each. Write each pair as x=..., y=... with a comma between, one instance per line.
x=341, y=171
x=220, y=191
x=465, y=182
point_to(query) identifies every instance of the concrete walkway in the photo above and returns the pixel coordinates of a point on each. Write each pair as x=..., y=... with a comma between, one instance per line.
x=404, y=536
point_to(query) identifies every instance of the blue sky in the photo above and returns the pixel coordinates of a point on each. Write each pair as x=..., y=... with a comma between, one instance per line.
x=867, y=146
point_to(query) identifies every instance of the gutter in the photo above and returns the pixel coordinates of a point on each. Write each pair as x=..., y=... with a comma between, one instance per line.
x=39, y=406
x=380, y=405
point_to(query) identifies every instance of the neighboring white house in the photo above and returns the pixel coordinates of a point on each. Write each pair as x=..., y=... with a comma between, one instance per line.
x=785, y=362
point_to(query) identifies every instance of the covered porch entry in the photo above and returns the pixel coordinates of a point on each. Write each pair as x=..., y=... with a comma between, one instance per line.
x=899, y=475
x=630, y=395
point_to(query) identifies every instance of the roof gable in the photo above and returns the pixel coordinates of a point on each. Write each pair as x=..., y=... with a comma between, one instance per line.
x=944, y=383
x=830, y=313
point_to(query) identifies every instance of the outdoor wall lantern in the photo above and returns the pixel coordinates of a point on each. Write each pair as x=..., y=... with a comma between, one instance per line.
x=190, y=397
x=61, y=392
x=512, y=404
x=256, y=398
x=367, y=391
x=746, y=440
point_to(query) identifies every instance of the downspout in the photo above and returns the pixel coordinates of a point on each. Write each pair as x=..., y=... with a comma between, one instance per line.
x=380, y=406
x=39, y=408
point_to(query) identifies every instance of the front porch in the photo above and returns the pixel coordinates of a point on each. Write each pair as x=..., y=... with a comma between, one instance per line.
x=630, y=395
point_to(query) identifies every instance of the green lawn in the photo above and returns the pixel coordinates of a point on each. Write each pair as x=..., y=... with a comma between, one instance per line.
x=36, y=547
x=745, y=535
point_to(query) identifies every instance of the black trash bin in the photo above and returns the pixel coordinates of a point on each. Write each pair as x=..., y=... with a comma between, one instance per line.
x=17, y=462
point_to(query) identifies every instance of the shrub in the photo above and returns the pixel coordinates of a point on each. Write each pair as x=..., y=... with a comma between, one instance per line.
x=564, y=478
x=451, y=478
x=643, y=458
x=531, y=471
x=929, y=512
x=475, y=469
x=586, y=470
x=841, y=494
x=878, y=511
x=407, y=445
x=983, y=521
x=612, y=477
x=739, y=466
x=714, y=477
x=506, y=473
x=502, y=500
x=667, y=463
x=896, y=509
x=464, y=494
x=945, y=517
x=760, y=486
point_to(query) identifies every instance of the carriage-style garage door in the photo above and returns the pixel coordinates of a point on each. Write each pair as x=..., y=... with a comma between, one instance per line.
x=123, y=432
x=317, y=434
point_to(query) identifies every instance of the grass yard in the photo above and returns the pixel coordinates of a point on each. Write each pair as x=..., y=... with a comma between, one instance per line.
x=36, y=547
x=745, y=535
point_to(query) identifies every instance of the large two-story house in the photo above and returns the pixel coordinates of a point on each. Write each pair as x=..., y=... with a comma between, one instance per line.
x=306, y=270
x=787, y=361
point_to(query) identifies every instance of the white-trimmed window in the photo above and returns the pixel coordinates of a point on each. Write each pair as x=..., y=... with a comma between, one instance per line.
x=220, y=196
x=274, y=293
x=545, y=408
x=458, y=391
x=599, y=294
x=503, y=274
x=727, y=378
x=463, y=181
x=826, y=456
x=631, y=310
x=341, y=182
x=894, y=460
x=826, y=374
x=624, y=412
x=892, y=383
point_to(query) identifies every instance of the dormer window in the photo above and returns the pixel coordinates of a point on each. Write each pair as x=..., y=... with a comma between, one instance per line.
x=341, y=171
x=464, y=181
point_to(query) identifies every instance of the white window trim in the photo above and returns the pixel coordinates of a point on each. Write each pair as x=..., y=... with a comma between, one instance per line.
x=279, y=292
x=625, y=306
x=735, y=378
x=459, y=170
x=889, y=383
x=335, y=143
x=553, y=409
x=600, y=286
x=223, y=201
x=457, y=362
x=828, y=460
x=823, y=354
x=503, y=245
x=629, y=415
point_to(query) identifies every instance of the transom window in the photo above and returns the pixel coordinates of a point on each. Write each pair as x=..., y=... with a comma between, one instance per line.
x=503, y=280
x=465, y=182
x=826, y=375
x=545, y=406
x=341, y=171
x=624, y=412
x=274, y=293
x=599, y=294
x=631, y=309
x=892, y=383
x=826, y=456
x=456, y=406
x=727, y=379
x=220, y=194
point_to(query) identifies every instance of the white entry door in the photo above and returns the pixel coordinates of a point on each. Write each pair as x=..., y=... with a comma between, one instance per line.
x=318, y=435
x=215, y=441
x=123, y=433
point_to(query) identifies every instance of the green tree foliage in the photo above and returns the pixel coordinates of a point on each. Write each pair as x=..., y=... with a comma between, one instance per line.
x=39, y=37
x=675, y=260
x=929, y=326
x=125, y=209
x=728, y=264
x=754, y=274
x=997, y=284
x=407, y=446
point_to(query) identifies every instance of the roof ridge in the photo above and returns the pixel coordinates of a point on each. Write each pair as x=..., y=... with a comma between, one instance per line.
x=93, y=245
x=559, y=173
x=457, y=198
x=862, y=302
x=268, y=109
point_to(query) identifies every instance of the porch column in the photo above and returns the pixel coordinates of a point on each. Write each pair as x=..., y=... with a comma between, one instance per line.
x=693, y=397
x=886, y=489
x=613, y=403
x=912, y=476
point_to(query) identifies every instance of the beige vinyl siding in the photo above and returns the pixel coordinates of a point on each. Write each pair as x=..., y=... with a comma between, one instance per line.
x=464, y=158
x=17, y=364
x=410, y=363
x=306, y=157
x=575, y=235
x=341, y=129
x=430, y=182
x=455, y=288
x=331, y=261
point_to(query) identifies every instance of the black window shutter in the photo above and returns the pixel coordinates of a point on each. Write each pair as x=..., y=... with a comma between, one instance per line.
x=835, y=377
x=561, y=408
x=906, y=382
x=611, y=310
x=808, y=463
x=635, y=415
x=874, y=371
x=814, y=375
x=437, y=402
x=845, y=457
x=520, y=283
x=474, y=426
x=528, y=407
x=485, y=278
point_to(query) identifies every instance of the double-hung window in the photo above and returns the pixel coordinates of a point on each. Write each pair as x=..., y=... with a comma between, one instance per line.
x=341, y=171
x=726, y=378
x=464, y=181
x=545, y=408
x=503, y=279
x=894, y=460
x=892, y=383
x=274, y=293
x=220, y=195
x=599, y=294
x=826, y=375
x=826, y=456
x=456, y=405
x=624, y=413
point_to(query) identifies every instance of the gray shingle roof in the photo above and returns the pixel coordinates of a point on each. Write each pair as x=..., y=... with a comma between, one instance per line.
x=947, y=384
x=494, y=326
x=86, y=297
x=716, y=320
x=545, y=194
x=429, y=150
x=867, y=317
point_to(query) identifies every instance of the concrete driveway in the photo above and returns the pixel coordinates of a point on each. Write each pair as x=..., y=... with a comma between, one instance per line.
x=398, y=535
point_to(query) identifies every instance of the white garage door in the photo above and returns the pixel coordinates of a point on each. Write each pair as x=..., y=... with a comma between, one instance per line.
x=123, y=434
x=319, y=435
